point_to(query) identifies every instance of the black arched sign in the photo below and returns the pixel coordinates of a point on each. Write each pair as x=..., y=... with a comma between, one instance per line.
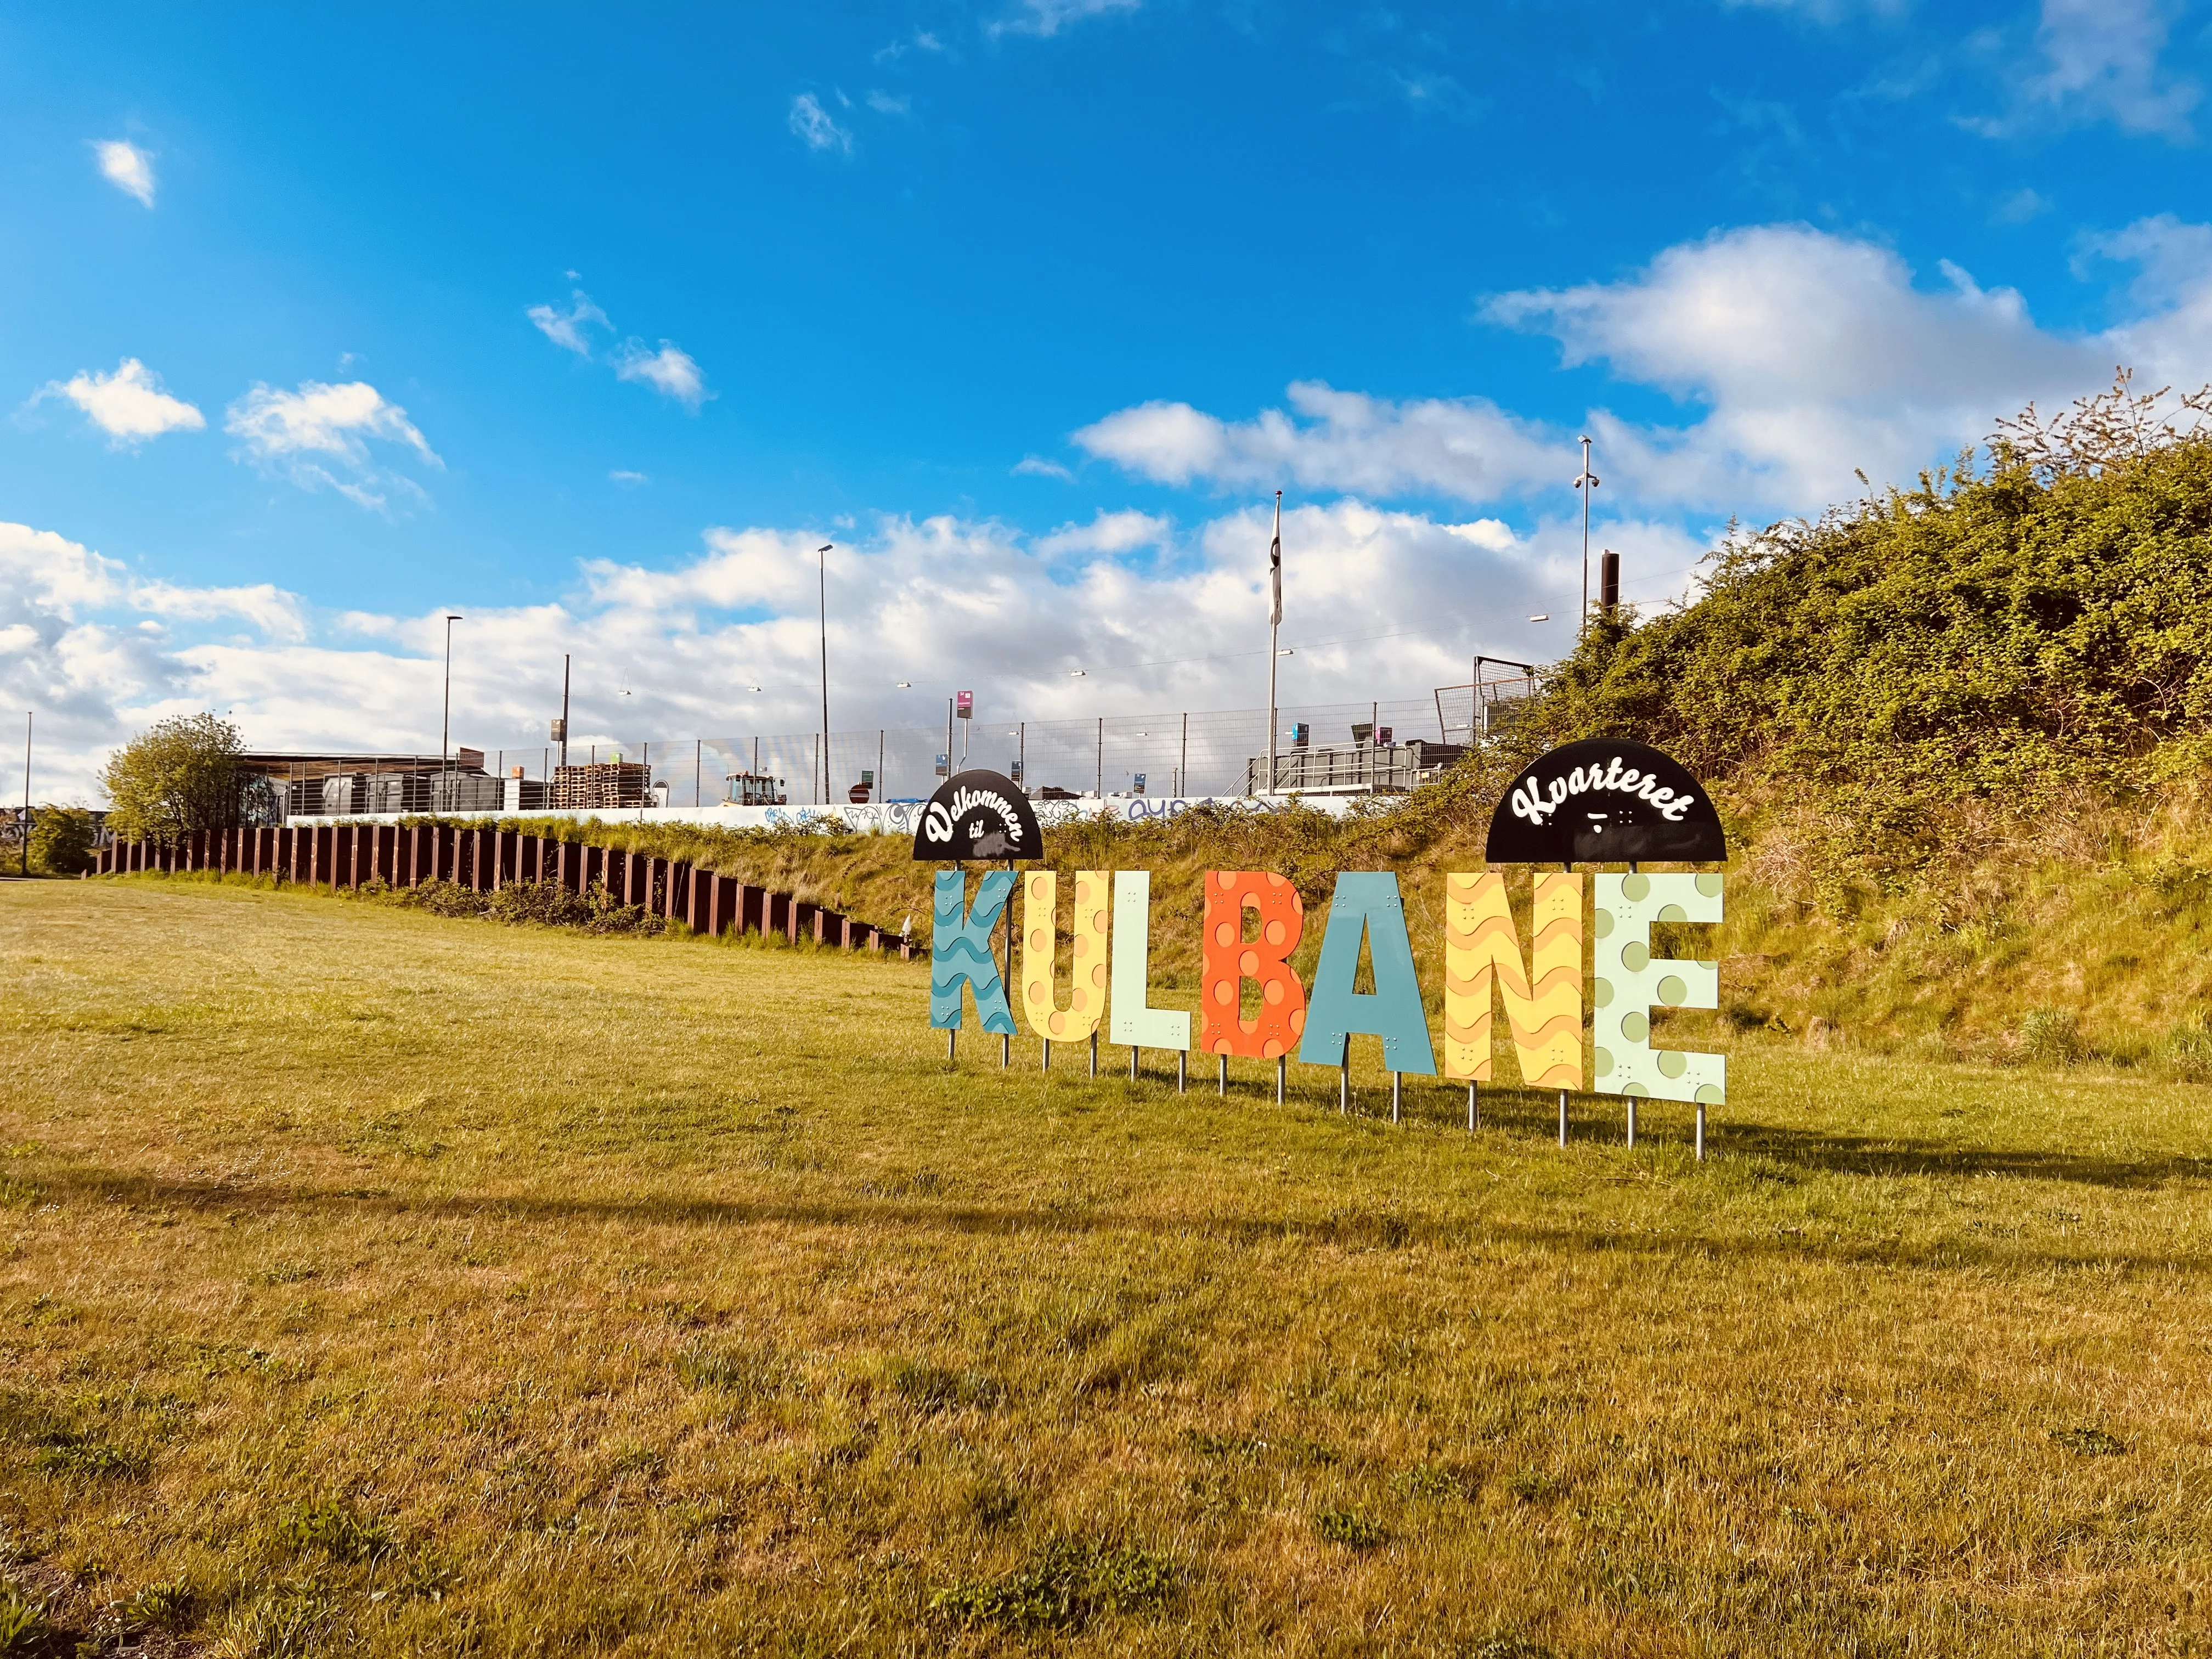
x=1606, y=801
x=978, y=815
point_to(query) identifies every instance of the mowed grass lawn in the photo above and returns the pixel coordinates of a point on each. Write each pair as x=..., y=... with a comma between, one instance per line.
x=371, y=1282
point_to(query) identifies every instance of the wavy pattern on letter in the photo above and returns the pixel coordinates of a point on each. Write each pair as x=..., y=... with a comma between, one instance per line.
x=1543, y=1000
x=960, y=948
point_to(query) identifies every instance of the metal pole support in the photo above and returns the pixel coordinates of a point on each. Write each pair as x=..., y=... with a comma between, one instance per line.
x=1182, y=1071
x=1005, y=1052
x=951, y=1038
x=1396, y=1095
x=1094, y=1054
x=1701, y=1133
x=1344, y=1088
x=1562, y=1117
x=1473, y=1119
x=1224, y=1059
x=1133, y=1062
x=1631, y=1123
x=1282, y=1076
x=1046, y=1065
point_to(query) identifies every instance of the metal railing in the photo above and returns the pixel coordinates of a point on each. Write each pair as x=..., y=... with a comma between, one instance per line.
x=1183, y=753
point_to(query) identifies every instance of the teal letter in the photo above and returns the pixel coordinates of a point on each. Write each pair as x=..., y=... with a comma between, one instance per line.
x=961, y=949
x=1367, y=906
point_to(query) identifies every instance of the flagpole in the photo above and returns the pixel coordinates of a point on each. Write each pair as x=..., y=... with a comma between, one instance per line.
x=1275, y=631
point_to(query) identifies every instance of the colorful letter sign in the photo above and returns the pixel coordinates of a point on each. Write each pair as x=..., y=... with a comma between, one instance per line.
x=1629, y=983
x=1135, y=1022
x=1543, y=1004
x=1605, y=800
x=1227, y=959
x=960, y=950
x=1367, y=905
x=1086, y=997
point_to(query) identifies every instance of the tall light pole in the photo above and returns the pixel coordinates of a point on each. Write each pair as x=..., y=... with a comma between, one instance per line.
x=1587, y=485
x=822, y=579
x=446, y=717
x=1274, y=631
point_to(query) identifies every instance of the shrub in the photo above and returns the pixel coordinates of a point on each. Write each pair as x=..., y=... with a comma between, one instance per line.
x=23, y=1620
x=1067, y=1583
x=1353, y=1528
x=337, y=1530
x=62, y=840
x=2052, y=1036
x=182, y=775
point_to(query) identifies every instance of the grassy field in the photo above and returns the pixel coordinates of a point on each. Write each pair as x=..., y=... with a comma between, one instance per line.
x=371, y=1282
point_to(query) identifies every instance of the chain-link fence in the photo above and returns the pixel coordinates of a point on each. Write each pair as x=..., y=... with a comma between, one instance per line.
x=1182, y=753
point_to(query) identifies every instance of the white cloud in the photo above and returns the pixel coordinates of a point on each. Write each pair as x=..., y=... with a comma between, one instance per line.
x=1464, y=447
x=2103, y=58
x=815, y=126
x=1108, y=533
x=884, y=103
x=668, y=370
x=128, y=404
x=566, y=328
x=692, y=637
x=1797, y=356
x=2100, y=61
x=1049, y=17
x=127, y=167
x=627, y=479
x=308, y=433
x=88, y=646
x=1035, y=466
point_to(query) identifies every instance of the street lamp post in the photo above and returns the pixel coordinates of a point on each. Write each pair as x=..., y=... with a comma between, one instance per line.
x=1587, y=486
x=822, y=579
x=446, y=717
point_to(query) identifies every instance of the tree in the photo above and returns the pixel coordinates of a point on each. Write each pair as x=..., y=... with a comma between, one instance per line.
x=181, y=776
x=61, y=839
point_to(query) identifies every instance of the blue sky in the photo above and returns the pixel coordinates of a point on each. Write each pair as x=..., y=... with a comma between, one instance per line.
x=592, y=324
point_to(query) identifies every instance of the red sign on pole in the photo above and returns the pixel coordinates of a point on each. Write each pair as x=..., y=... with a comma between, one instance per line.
x=964, y=705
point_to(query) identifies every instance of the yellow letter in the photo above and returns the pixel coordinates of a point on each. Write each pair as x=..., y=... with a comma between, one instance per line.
x=1480, y=941
x=1086, y=1002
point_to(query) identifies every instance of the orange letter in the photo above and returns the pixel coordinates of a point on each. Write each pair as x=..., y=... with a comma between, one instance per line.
x=1226, y=961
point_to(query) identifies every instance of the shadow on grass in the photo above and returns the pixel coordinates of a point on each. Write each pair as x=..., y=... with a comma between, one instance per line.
x=1355, y=1227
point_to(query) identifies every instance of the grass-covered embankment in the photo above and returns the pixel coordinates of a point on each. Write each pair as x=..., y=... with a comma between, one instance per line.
x=379, y=1283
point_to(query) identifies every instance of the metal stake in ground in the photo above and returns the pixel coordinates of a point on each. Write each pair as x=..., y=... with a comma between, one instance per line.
x=1472, y=1119
x=1282, y=1076
x=1701, y=1133
x=1562, y=1117
x=1182, y=1071
x=1224, y=1059
x=1094, y=1054
x=1133, y=1062
x=1395, y=1095
x=1045, y=1064
x=1344, y=1086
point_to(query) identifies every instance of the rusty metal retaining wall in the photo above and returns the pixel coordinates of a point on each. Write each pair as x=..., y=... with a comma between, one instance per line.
x=486, y=859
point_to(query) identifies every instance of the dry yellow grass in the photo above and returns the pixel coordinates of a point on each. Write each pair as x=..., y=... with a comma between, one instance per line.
x=378, y=1283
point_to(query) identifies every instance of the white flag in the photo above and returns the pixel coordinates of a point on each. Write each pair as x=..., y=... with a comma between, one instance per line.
x=1275, y=563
